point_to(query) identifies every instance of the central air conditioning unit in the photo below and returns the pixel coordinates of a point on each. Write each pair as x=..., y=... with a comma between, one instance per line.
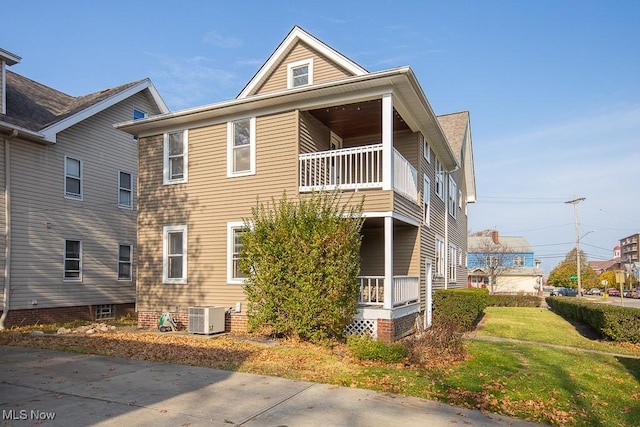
x=206, y=320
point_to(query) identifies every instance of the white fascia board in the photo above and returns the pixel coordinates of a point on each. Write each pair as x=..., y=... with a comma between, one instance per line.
x=299, y=34
x=51, y=132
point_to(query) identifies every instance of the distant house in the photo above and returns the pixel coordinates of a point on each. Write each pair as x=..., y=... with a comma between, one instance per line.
x=509, y=258
x=69, y=206
x=310, y=119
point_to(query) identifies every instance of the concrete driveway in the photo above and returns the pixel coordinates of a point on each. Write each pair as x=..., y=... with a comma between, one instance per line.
x=49, y=388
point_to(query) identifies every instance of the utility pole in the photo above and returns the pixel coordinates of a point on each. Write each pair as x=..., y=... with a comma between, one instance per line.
x=575, y=202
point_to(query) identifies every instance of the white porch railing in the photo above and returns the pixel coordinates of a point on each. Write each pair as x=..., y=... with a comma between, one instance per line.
x=371, y=290
x=405, y=290
x=405, y=176
x=355, y=168
x=347, y=168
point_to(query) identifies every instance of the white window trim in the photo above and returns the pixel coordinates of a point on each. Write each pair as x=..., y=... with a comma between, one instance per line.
x=453, y=192
x=453, y=256
x=64, y=262
x=297, y=64
x=165, y=252
x=252, y=149
x=71, y=196
x=130, y=263
x=231, y=226
x=166, y=179
x=439, y=264
x=120, y=205
x=426, y=200
x=439, y=177
x=426, y=150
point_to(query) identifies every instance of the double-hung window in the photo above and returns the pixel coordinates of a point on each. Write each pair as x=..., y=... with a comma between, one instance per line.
x=300, y=73
x=175, y=164
x=72, y=261
x=235, y=231
x=440, y=255
x=453, y=193
x=426, y=151
x=241, y=147
x=453, y=257
x=518, y=261
x=426, y=199
x=125, y=190
x=125, y=253
x=439, y=179
x=174, y=259
x=72, y=178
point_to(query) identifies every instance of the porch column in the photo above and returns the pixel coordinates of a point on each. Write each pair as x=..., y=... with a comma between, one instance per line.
x=388, y=262
x=387, y=142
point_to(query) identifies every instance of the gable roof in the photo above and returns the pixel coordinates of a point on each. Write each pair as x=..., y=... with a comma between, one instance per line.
x=296, y=35
x=40, y=112
x=457, y=130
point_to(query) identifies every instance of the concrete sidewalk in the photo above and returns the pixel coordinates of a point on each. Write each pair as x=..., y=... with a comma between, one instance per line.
x=82, y=390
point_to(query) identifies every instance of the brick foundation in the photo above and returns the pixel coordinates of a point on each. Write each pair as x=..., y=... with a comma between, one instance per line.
x=236, y=323
x=43, y=316
x=395, y=329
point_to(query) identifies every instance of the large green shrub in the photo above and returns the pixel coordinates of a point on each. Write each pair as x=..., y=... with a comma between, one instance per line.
x=611, y=321
x=459, y=308
x=301, y=261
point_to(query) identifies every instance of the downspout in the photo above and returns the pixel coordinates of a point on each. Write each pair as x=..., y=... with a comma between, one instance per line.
x=445, y=183
x=7, y=228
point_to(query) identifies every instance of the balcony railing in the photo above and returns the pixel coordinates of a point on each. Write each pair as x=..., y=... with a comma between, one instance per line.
x=355, y=168
x=405, y=176
x=405, y=290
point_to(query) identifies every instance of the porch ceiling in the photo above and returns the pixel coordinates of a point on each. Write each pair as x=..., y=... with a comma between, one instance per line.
x=358, y=119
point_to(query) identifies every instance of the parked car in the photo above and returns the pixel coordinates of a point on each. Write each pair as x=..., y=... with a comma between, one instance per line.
x=629, y=293
x=564, y=292
x=613, y=292
x=594, y=291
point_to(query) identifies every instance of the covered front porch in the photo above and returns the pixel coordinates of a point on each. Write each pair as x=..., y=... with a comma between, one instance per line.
x=389, y=256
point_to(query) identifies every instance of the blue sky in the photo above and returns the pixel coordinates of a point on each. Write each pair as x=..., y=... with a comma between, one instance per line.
x=552, y=86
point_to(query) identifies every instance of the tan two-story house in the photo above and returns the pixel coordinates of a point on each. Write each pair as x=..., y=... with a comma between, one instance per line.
x=309, y=120
x=68, y=213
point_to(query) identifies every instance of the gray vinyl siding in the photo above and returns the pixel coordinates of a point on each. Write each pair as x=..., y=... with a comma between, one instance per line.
x=43, y=218
x=3, y=220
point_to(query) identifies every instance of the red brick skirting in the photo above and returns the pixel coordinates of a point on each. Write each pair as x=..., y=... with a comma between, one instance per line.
x=35, y=316
x=236, y=323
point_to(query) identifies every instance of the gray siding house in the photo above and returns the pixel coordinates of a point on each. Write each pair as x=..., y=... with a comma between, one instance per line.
x=68, y=214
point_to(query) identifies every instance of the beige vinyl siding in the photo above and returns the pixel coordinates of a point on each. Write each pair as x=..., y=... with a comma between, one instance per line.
x=372, y=252
x=314, y=136
x=323, y=69
x=428, y=234
x=43, y=218
x=406, y=254
x=206, y=204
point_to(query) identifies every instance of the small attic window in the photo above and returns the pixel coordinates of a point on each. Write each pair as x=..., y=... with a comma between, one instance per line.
x=300, y=73
x=138, y=114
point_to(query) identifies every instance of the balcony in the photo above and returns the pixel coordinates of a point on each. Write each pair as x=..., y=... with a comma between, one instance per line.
x=405, y=290
x=355, y=168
